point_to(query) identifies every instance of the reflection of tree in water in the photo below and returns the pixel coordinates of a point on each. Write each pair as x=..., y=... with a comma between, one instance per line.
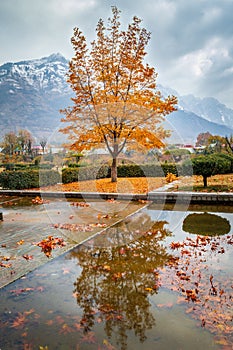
x=206, y=224
x=115, y=281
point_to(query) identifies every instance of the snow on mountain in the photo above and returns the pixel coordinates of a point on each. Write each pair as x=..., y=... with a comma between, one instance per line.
x=46, y=74
x=32, y=92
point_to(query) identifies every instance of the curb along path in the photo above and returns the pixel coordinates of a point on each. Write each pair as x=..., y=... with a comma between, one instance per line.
x=155, y=196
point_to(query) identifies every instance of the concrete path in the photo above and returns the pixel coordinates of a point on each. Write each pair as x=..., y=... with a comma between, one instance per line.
x=156, y=196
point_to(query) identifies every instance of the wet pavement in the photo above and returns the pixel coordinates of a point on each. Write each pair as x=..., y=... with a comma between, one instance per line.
x=26, y=223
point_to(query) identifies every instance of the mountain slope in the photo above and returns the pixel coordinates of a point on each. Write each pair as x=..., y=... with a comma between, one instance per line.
x=186, y=126
x=208, y=108
x=32, y=93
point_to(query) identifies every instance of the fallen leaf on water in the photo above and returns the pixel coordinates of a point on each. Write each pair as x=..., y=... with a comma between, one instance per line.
x=27, y=257
x=21, y=290
x=20, y=242
x=89, y=338
x=65, y=329
x=6, y=258
x=19, y=321
x=5, y=265
x=176, y=245
x=81, y=204
x=167, y=305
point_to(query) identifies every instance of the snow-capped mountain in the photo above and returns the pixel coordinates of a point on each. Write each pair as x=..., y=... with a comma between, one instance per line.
x=46, y=74
x=32, y=93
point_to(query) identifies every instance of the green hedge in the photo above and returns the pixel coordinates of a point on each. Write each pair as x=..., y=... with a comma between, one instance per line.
x=24, y=179
x=226, y=157
x=23, y=166
x=85, y=173
x=146, y=170
x=203, y=165
x=212, y=164
x=130, y=170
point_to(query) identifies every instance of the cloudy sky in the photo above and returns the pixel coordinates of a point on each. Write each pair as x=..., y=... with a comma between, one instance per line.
x=191, y=45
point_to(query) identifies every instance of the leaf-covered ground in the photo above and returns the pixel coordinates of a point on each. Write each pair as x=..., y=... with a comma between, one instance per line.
x=123, y=185
x=217, y=183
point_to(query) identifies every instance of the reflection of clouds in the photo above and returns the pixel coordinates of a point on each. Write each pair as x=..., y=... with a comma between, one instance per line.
x=174, y=218
x=226, y=261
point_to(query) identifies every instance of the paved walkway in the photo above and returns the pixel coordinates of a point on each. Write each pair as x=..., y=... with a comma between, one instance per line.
x=156, y=196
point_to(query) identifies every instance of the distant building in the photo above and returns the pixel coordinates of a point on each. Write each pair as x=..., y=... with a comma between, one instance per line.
x=37, y=150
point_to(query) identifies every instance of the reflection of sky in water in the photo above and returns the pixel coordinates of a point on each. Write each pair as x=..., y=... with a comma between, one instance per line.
x=175, y=218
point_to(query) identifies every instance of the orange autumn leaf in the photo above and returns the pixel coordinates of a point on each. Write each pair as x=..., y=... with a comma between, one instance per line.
x=5, y=265
x=20, y=242
x=66, y=329
x=19, y=321
x=167, y=305
x=50, y=243
x=27, y=257
x=89, y=337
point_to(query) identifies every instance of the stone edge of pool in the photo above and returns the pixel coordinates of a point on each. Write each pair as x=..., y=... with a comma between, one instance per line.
x=157, y=197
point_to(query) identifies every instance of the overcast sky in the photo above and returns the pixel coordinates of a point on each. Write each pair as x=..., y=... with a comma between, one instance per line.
x=191, y=45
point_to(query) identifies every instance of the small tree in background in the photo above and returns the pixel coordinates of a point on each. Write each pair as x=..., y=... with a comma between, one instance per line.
x=203, y=139
x=25, y=140
x=9, y=143
x=43, y=143
x=229, y=144
x=210, y=165
x=116, y=103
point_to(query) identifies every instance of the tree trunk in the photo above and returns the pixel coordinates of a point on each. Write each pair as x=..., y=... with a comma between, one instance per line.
x=114, y=170
x=205, y=181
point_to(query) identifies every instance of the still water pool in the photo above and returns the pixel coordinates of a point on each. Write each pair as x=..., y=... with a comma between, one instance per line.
x=158, y=279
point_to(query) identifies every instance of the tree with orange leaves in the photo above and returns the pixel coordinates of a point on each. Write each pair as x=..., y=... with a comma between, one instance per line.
x=116, y=102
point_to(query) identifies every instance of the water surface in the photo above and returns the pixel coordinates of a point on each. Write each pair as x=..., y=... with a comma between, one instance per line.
x=143, y=283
